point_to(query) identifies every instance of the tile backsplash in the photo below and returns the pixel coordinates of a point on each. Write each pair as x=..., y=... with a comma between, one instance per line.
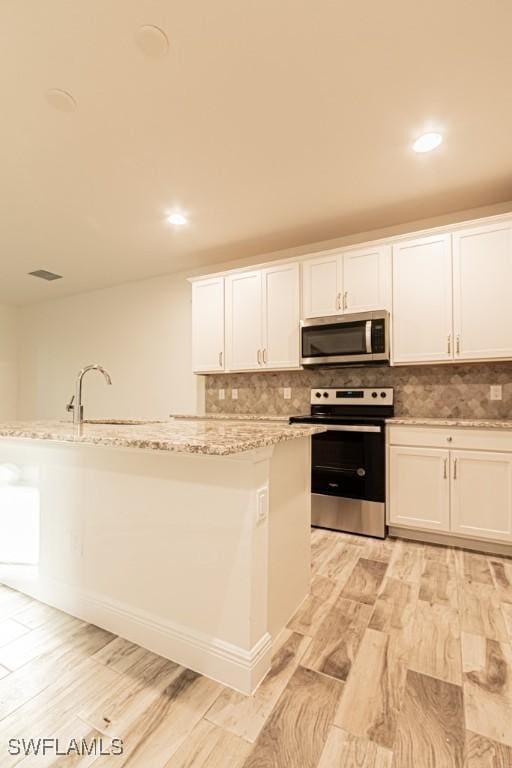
x=458, y=391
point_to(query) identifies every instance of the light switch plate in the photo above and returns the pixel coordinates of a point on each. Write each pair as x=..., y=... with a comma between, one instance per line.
x=496, y=392
x=287, y=393
x=222, y=394
x=234, y=394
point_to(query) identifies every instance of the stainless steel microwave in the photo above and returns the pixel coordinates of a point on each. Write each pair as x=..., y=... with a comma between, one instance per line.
x=346, y=339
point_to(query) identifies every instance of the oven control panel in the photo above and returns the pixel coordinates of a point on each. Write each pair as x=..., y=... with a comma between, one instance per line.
x=356, y=396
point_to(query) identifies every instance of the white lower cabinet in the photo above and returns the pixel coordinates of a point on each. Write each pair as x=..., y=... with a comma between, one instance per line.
x=481, y=487
x=456, y=481
x=419, y=488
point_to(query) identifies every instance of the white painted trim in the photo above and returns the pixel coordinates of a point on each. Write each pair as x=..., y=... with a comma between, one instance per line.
x=217, y=659
x=450, y=540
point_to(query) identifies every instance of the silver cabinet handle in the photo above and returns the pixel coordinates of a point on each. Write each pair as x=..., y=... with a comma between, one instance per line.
x=458, y=345
x=455, y=469
x=449, y=343
x=338, y=301
x=264, y=356
x=345, y=300
x=220, y=359
x=259, y=356
x=445, y=473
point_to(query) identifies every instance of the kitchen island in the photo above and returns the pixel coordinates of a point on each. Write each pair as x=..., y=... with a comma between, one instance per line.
x=190, y=538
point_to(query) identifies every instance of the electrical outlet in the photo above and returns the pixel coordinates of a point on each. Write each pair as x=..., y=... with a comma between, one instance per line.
x=287, y=393
x=496, y=392
x=234, y=394
x=222, y=394
x=262, y=508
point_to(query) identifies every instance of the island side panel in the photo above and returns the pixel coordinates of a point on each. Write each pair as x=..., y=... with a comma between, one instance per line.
x=162, y=548
x=289, y=531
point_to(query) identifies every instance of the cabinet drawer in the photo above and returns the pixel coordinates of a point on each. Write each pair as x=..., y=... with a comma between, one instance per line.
x=455, y=437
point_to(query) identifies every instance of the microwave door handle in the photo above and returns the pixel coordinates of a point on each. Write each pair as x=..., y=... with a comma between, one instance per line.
x=369, y=337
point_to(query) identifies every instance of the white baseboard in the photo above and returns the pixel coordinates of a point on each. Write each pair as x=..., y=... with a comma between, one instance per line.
x=224, y=662
x=449, y=540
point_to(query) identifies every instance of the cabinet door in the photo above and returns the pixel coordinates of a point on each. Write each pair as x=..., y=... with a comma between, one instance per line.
x=243, y=321
x=281, y=316
x=419, y=488
x=367, y=279
x=321, y=286
x=208, y=325
x=422, y=300
x=482, y=269
x=482, y=494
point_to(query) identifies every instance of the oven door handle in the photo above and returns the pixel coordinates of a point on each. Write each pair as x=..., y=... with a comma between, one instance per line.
x=358, y=471
x=352, y=428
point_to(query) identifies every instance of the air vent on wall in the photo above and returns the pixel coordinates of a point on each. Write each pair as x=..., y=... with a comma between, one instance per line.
x=45, y=275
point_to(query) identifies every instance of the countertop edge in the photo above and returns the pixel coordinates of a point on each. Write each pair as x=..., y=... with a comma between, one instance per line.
x=492, y=424
x=233, y=446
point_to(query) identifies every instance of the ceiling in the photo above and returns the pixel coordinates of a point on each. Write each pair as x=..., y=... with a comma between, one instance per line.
x=272, y=123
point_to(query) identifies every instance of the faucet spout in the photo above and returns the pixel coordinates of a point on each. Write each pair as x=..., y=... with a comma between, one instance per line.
x=75, y=404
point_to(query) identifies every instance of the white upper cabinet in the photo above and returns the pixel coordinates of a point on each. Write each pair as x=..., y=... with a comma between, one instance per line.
x=321, y=286
x=263, y=319
x=367, y=279
x=357, y=280
x=481, y=494
x=482, y=283
x=448, y=295
x=281, y=316
x=208, y=325
x=243, y=321
x=422, y=300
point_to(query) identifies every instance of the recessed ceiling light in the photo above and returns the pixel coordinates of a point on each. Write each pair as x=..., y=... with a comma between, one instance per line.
x=152, y=41
x=427, y=142
x=177, y=219
x=60, y=100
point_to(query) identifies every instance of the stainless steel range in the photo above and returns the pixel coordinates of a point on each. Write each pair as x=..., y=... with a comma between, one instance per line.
x=348, y=468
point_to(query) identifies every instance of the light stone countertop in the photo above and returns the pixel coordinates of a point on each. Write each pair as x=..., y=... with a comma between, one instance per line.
x=474, y=423
x=200, y=436
x=231, y=417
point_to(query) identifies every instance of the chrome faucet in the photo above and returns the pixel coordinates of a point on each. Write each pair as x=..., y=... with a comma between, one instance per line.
x=75, y=404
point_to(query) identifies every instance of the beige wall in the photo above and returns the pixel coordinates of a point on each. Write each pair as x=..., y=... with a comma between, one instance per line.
x=139, y=331
x=8, y=361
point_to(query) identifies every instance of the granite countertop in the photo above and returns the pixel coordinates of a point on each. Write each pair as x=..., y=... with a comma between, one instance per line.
x=231, y=417
x=475, y=423
x=200, y=436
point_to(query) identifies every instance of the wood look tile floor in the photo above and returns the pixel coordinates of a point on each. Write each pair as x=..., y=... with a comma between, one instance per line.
x=401, y=657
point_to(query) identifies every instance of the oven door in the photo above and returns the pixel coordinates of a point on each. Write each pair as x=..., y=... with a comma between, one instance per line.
x=326, y=342
x=349, y=460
